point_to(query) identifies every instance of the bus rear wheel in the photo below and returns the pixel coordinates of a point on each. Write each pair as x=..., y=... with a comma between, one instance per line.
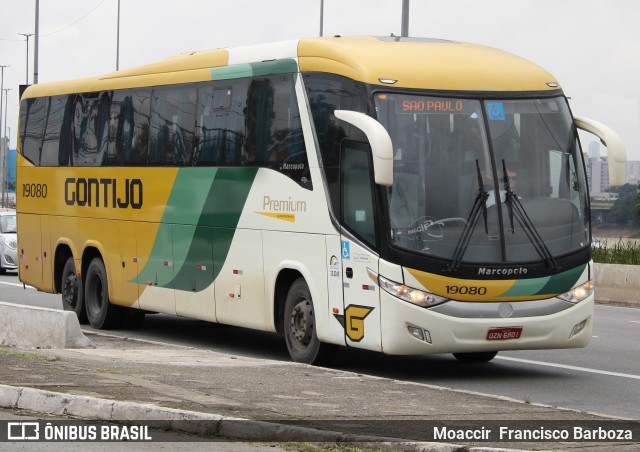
x=300, y=328
x=477, y=357
x=101, y=313
x=71, y=291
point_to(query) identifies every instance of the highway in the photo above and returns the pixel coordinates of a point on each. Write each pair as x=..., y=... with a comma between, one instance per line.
x=603, y=378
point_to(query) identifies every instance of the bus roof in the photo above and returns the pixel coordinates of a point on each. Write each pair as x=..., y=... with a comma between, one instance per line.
x=409, y=62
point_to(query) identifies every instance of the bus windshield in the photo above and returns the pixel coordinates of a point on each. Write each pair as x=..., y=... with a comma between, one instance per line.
x=484, y=180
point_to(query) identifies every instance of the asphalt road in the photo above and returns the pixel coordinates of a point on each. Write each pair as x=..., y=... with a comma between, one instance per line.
x=603, y=378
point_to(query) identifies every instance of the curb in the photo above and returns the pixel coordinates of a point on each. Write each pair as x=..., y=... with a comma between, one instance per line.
x=92, y=408
x=35, y=327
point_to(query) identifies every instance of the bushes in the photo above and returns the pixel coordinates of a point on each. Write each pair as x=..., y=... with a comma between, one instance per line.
x=617, y=253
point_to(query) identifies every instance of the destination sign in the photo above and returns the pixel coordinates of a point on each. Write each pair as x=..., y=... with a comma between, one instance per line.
x=431, y=106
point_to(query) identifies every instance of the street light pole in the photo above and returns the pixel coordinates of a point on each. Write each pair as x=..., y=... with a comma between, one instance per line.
x=35, y=47
x=26, y=35
x=6, y=148
x=321, y=17
x=405, y=19
x=118, y=40
x=1, y=88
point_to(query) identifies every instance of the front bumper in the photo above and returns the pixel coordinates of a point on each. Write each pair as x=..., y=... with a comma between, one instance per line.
x=449, y=334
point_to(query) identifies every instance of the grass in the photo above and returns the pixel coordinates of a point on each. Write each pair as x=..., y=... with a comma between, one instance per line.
x=627, y=253
x=323, y=447
x=30, y=356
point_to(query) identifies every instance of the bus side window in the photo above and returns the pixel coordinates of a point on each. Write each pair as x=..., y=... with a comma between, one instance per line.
x=32, y=112
x=357, y=191
x=129, y=128
x=52, y=153
x=172, y=125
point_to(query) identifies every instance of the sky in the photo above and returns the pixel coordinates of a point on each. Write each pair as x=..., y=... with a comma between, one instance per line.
x=591, y=46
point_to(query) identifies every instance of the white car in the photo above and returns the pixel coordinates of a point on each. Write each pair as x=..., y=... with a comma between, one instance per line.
x=8, y=241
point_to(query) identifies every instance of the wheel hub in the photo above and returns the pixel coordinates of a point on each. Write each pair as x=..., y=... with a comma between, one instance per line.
x=301, y=322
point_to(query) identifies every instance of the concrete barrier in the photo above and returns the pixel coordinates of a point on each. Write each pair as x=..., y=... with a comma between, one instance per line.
x=30, y=327
x=617, y=284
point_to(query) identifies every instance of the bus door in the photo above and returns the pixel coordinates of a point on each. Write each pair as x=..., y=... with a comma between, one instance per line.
x=361, y=302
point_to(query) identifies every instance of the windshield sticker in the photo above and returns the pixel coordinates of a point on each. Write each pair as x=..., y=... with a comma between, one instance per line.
x=495, y=111
x=429, y=229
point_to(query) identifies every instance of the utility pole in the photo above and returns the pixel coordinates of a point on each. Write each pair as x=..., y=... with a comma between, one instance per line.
x=26, y=35
x=405, y=19
x=1, y=88
x=321, y=16
x=6, y=148
x=118, y=40
x=35, y=48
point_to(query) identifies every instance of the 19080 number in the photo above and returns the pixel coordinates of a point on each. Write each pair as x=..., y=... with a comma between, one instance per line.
x=34, y=190
x=466, y=290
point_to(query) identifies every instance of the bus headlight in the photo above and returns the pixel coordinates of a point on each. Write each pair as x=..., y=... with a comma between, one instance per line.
x=414, y=296
x=578, y=293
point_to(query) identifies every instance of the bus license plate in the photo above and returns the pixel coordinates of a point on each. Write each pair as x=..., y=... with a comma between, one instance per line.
x=503, y=334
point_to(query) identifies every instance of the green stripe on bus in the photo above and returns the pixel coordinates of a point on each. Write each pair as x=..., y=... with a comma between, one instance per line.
x=263, y=68
x=564, y=281
x=524, y=287
x=220, y=216
x=548, y=285
x=198, y=226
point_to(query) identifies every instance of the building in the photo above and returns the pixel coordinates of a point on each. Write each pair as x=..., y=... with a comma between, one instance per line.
x=633, y=172
x=7, y=176
x=594, y=149
x=597, y=175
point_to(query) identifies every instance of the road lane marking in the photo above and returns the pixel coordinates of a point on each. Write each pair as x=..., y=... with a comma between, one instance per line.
x=634, y=321
x=564, y=366
x=14, y=284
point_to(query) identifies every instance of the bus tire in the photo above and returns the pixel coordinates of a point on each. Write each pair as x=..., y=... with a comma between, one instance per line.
x=101, y=313
x=300, y=328
x=71, y=291
x=477, y=357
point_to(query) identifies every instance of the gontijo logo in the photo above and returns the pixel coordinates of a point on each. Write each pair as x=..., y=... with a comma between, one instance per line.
x=103, y=192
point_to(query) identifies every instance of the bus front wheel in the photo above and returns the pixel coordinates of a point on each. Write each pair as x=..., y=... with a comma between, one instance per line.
x=101, y=313
x=300, y=328
x=71, y=291
x=477, y=357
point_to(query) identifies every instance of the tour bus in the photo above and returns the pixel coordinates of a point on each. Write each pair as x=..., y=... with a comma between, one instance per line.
x=404, y=195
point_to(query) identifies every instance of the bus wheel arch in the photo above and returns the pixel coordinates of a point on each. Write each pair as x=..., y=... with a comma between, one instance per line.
x=285, y=279
x=299, y=325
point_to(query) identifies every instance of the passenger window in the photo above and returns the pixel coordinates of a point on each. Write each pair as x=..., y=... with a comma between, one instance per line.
x=32, y=113
x=52, y=153
x=129, y=131
x=357, y=191
x=172, y=126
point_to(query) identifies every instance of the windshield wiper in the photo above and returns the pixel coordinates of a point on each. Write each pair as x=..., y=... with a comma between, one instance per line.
x=479, y=205
x=516, y=209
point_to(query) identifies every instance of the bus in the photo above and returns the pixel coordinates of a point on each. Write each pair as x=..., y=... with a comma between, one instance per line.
x=409, y=196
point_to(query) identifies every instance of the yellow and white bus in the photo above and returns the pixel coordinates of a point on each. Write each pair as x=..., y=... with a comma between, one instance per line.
x=343, y=191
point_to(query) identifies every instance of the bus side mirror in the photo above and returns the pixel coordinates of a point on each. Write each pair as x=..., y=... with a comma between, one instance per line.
x=615, y=147
x=380, y=143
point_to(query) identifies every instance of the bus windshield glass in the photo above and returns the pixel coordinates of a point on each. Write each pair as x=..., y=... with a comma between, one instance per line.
x=484, y=181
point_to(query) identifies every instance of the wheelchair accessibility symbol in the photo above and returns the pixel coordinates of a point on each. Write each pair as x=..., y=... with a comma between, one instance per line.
x=495, y=110
x=346, y=251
